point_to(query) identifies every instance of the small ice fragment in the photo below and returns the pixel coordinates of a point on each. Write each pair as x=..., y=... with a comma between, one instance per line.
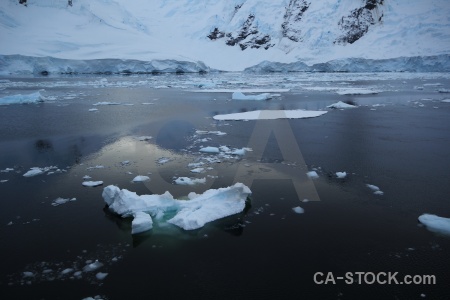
x=341, y=174
x=33, y=172
x=189, y=181
x=435, y=223
x=77, y=273
x=144, y=138
x=198, y=170
x=10, y=223
x=92, y=266
x=305, y=200
x=86, y=177
x=209, y=149
x=60, y=201
x=312, y=174
x=298, y=210
x=125, y=162
x=373, y=187
x=140, y=178
x=96, y=167
x=93, y=109
x=196, y=165
x=66, y=271
x=92, y=183
x=101, y=276
x=241, y=96
x=3, y=180
x=28, y=274
x=378, y=193
x=341, y=104
x=163, y=160
x=7, y=170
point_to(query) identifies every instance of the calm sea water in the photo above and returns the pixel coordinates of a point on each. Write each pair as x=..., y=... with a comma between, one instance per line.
x=398, y=140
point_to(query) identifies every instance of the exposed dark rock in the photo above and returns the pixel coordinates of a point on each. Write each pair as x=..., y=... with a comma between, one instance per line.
x=293, y=15
x=216, y=34
x=358, y=22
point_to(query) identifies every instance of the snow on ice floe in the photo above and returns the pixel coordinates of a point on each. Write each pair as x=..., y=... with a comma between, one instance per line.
x=92, y=183
x=341, y=105
x=270, y=115
x=22, y=99
x=34, y=171
x=298, y=210
x=209, y=149
x=341, y=174
x=312, y=174
x=141, y=178
x=435, y=223
x=356, y=91
x=189, y=181
x=241, y=96
x=60, y=201
x=189, y=214
x=376, y=190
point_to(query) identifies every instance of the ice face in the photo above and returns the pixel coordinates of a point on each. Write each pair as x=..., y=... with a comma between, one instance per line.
x=189, y=214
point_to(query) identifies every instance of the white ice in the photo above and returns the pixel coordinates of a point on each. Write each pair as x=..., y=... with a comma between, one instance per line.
x=376, y=190
x=38, y=171
x=341, y=174
x=298, y=210
x=60, y=201
x=92, y=266
x=243, y=91
x=341, y=104
x=446, y=100
x=241, y=96
x=312, y=174
x=219, y=133
x=356, y=91
x=93, y=109
x=435, y=223
x=141, y=222
x=140, y=178
x=22, y=99
x=92, y=183
x=190, y=214
x=198, y=170
x=189, y=181
x=209, y=149
x=106, y=103
x=270, y=115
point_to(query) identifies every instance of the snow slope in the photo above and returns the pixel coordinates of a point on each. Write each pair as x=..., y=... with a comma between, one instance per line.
x=228, y=35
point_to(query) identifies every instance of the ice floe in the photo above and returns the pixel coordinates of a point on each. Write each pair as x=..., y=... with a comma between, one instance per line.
x=96, y=167
x=34, y=171
x=22, y=99
x=443, y=90
x=435, y=223
x=106, y=103
x=101, y=276
x=270, y=115
x=298, y=210
x=189, y=214
x=7, y=170
x=198, y=170
x=141, y=222
x=312, y=174
x=241, y=96
x=140, y=178
x=209, y=149
x=376, y=190
x=92, y=109
x=60, y=201
x=92, y=183
x=446, y=100
x=341, y=174
x=341, y=104
x=356, y=91
x=242, y=91
x=218, y=133
x=189, y=181
x=163, y=160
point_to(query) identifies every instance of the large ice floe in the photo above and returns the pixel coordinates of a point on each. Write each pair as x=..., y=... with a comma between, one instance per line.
x=189, y=214
x=435, y=223
x=259, y=97
x=35, y=97
x=270, y=115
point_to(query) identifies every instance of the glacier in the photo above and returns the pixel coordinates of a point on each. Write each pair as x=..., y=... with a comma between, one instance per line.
x=189, y=214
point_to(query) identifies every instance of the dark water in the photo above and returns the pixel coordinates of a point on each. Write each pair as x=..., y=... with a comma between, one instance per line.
x=402, y=146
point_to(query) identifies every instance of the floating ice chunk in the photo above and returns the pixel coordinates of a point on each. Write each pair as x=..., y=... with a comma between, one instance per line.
x=22, y=99
x=190, y=214
x=163, y=160
x=141, y=222
x=198, y=170
x=3, y=180
x=59, y=201
x=7, y=170
x=312, y=174
x=189, y=181
x=196, y=165
x=298, y=210
x=209, y=149
x=341, y=104
x=106, y=103
x=239, y=152
x=140, y=178
x=125, y=162
x=219, y=133
x=93, y=109
x=92, y=183
x=86, y=177
x=33, y=172
x=101, y=276
x=92, y=266
x=270, y=115
x=435, y=223
x=446, y=100
x=241, y=96
x=376, y=190
x=341, y=174
x=28, y=274
x=96, y=167
x=443, y=90
x=144, y=138
x=67, y=271
x=356, y=91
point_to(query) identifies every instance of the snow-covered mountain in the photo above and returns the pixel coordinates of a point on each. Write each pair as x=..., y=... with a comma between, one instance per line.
x=227, y=35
